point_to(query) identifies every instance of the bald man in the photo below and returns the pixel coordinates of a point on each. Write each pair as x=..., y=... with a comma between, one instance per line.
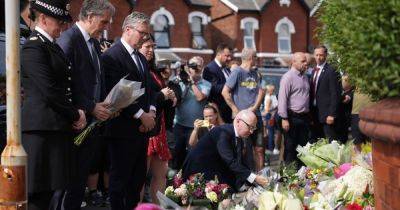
x=221, y=153
x=293, y=106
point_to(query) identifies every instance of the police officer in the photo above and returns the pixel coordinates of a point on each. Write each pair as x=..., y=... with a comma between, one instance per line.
x=48, y=116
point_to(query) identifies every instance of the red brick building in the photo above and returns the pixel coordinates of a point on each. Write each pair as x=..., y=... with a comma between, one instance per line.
x=184, y=28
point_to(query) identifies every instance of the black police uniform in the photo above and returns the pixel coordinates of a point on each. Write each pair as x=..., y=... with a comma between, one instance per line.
x=47, y=115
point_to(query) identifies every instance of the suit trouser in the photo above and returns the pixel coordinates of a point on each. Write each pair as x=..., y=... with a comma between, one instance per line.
x=51, y=200
x=83, y=157
x=330, y=132
x=297, y=135
x=182, y=135
x=127, y=171
x=316, y=129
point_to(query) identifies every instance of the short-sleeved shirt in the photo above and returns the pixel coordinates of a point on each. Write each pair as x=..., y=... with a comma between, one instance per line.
x=190, y=109
x=244, y=87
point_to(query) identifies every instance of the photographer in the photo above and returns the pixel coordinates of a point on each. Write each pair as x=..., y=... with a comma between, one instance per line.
x=195, y=91
x=211, y=118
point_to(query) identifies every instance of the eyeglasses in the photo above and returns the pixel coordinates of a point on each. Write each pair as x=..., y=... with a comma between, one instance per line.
x=251, y=128
x=142, y=33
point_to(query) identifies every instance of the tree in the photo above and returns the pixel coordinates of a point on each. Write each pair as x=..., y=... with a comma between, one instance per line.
x=364, y=37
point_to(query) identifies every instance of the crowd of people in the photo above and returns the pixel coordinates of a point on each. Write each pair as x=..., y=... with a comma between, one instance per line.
x=220, y=119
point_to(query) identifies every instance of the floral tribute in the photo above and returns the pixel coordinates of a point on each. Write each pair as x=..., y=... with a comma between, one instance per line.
x=196, y=191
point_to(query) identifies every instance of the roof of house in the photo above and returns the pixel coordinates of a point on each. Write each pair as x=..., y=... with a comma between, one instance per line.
x=204, y=3
x=258, y=5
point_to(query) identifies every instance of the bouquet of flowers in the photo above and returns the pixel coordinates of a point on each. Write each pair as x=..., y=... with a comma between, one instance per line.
x=322, y=153
x=124, y=93
x=197, y=191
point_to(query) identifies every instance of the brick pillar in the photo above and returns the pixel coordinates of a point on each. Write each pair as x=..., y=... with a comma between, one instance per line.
x=381, y=122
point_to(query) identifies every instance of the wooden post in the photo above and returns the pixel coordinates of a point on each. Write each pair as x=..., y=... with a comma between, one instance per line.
x=13, y=193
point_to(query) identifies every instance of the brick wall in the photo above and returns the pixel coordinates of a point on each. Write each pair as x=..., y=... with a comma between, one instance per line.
x=381, y=122
x=272, y=14
x=386, y=160
x=122, y=10
x=225, y=24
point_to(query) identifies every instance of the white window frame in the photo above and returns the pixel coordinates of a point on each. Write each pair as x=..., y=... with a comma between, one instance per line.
x=170, y=18
x=282, y=2
x=162, y=11
x=204, y=21
x=204, y=18
x=292, y=30
x=255, y=23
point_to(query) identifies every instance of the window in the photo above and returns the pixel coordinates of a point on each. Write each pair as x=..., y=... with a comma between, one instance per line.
x=249, y=25
x=249, y=35
x=284, y=28
x=198, y=21
x=284, y=39
x=161, y=31
x=198, y=41
x=161, y=20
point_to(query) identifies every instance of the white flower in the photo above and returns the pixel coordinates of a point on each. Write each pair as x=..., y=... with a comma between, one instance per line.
x=224, y=191
x=169, y=190
x=357, y=179
x=181, y=191
x=238, y=207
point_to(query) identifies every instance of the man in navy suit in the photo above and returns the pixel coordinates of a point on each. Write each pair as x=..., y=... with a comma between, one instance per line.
x=128, y=133
x=81, y=47
x=222, y=153
x=217, y=72
x=325, y=97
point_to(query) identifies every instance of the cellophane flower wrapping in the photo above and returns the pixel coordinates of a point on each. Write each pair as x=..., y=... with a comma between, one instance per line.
x=123, y=94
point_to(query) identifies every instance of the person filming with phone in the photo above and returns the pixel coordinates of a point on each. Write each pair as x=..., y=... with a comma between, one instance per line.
x=212, y=118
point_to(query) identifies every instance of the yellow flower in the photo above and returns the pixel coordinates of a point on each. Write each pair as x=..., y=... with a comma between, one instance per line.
x=212, y=196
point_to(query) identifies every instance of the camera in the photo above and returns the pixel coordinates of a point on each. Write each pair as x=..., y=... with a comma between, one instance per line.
x=181, y=73
x=192, y=66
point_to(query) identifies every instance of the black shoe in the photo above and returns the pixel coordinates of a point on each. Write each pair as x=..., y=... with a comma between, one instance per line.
x=106, y=199
x=95, y=199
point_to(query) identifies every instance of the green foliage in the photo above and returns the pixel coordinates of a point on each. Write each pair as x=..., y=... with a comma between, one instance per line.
x=364, y=37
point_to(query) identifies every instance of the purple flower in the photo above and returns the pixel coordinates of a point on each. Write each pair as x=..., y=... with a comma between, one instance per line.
x=198, y=193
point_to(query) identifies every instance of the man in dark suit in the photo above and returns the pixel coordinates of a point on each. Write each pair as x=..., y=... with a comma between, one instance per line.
x=81, y=47
x=217, y=72
x=48, y=115
x=128, y=132
x=325, y=97
x=222, y=153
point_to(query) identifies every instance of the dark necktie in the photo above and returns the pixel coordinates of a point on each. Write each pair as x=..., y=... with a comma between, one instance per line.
x=315, y=79
x=96, y=65
x=239, y=149
x=138, y=64
x=95, y=57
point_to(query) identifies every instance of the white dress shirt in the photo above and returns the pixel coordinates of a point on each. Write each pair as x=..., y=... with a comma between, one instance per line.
x=316, y=78
x=137, y=62
x=222, y=69
x=44, y=33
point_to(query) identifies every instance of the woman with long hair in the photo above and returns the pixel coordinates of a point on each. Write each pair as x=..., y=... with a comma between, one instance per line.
x=158, y=153
x=211, y=117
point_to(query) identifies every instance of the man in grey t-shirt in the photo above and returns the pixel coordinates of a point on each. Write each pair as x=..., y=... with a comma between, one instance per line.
x=242, y=91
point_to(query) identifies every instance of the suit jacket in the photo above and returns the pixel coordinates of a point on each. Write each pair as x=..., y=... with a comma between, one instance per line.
x=328, y=93
x=118, y=63
x=213, y=73
x=83, y=70
x=217, y=154
x=46, y=78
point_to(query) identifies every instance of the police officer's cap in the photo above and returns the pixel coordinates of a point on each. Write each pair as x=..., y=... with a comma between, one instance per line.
x=58, y=9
